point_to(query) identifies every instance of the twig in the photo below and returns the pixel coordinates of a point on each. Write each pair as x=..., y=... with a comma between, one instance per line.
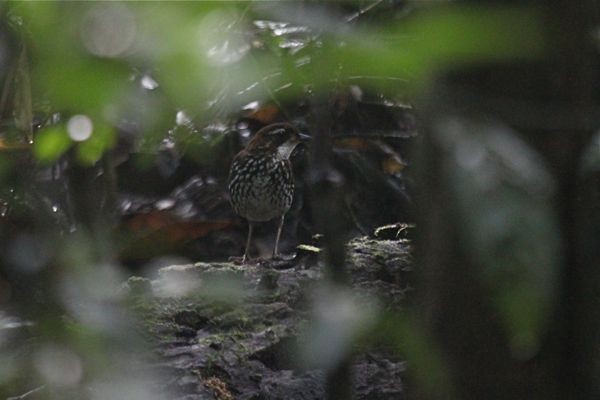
x=26, y=395
x=363, y=11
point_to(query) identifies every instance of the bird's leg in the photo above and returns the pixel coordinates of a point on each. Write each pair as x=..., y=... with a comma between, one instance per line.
x=275, y=250
x=246, y=256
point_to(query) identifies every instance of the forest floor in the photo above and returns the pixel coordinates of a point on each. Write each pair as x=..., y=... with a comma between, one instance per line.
x=227, y=331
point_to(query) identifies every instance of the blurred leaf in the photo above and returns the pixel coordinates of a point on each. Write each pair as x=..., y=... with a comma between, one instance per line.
x=206, y=152
x=412, y=341
x=82, y=84
x=435, y=39
x=5, y=167
x=7, y=89
x=102, y=139
x=16, y=101
x=339, y=321
x=62, y=69
x=503, y=199
x=468, y=34
x=179, y=39
x=590, y=161
x=51, y=143
x=23, y=112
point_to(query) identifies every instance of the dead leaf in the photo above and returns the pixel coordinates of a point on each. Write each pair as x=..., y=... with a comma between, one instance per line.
x=147, y=235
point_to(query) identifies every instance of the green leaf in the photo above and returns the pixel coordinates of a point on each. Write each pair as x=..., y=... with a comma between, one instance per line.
x=102, y=139
x=434, y=39
x=23, y=112
x=84, y=84
x=502, y=194
x=51, y=143
x=409, y=337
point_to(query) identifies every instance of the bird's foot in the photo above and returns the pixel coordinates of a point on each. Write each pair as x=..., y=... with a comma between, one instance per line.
x=246, y=260
x=282, y=257
x=280, y=261
x=243, y=260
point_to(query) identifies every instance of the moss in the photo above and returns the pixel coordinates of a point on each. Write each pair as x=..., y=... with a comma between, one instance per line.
x=233, y=321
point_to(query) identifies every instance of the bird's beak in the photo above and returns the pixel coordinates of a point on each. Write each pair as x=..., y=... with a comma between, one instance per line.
x=304, y=137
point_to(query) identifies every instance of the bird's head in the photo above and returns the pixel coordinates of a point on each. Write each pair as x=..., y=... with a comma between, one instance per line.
x=281, y=138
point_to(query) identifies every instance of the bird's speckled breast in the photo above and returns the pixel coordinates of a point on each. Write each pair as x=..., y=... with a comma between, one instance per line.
x=261, y=186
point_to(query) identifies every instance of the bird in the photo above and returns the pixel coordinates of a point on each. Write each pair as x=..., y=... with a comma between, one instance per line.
x=261, y=181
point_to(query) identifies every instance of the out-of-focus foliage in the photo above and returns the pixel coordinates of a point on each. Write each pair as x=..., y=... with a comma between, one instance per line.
x=89, y=76
x=503, y=198
x=98, y=58
x=51, y=144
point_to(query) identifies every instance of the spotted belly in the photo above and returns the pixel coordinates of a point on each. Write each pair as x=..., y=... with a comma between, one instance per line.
x=261, y=188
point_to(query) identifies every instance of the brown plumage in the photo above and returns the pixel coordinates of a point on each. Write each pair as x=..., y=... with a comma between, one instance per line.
x=261, y=183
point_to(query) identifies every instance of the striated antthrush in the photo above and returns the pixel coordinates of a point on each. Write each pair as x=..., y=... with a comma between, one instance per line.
x=261, y=182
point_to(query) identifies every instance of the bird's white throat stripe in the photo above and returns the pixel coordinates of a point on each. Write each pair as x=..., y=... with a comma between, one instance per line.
x=286, y=149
